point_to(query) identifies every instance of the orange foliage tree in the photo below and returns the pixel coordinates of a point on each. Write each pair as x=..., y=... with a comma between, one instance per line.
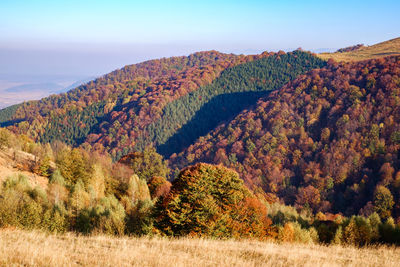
x=210, y=200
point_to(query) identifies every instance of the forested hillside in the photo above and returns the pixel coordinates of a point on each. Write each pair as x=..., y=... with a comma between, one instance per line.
x=58, y=189
x=200, y=111
x=145, y=88
x=167, y=102
x=328, y=141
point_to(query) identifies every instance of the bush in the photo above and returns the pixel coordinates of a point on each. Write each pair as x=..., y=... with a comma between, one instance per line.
x=375, y=222
x=56, y=220
x=22, y=206
x=326, y=230
x=389, y=232
x=292, y=232
x=286, y=233
x=108, y=217
x=281, y=214
x=337, y=239
x=357, y=231
x=138, y=189
x=5, y=138
x=209, y=200
x=139, y=220
x=17, y=208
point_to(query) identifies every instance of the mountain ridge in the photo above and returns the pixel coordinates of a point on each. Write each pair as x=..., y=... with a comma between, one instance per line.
x=118, y=111
x=382, y=49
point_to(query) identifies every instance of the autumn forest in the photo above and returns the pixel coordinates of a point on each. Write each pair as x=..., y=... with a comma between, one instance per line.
x=290, y=147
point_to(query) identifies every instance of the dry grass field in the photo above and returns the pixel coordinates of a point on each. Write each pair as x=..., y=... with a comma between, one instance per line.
x=388, y=48
x=31, y=248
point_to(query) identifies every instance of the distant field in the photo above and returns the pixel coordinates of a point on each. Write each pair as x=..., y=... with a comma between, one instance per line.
x=23, y=248
x=19, y=89
x=388, y=48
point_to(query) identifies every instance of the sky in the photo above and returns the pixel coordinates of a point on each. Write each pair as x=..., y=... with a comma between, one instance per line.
x=85, y=38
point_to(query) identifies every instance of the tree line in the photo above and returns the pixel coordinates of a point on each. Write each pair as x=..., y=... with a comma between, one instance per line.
x=86, y=193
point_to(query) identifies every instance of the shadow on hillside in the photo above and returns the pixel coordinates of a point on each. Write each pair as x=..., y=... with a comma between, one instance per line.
x=219, y=109
x=10, y=122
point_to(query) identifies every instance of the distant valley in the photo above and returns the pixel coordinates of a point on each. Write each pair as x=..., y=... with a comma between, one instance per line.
x=15, y=89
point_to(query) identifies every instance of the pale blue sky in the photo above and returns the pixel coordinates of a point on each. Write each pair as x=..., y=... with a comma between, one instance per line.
x=91, y=37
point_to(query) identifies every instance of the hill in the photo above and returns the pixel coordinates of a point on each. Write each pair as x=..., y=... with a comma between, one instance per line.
x=38, y=249
x=384, y=49
x=151, y=102
x=328, y=141
x=14, y=163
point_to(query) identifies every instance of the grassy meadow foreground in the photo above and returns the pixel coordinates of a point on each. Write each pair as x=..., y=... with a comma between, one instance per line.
x=32, y=248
